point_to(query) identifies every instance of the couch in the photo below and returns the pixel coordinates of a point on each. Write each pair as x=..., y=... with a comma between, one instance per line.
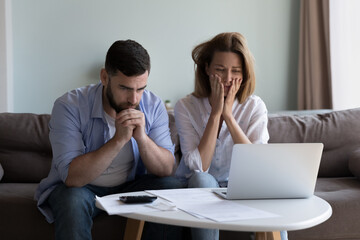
x=25, y=158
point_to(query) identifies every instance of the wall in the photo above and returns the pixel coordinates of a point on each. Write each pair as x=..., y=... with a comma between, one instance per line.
x=6, y=78
x=61, y=45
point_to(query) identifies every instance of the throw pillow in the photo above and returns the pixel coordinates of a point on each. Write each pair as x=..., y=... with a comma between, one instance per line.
x=354, y=163
x=1, y=172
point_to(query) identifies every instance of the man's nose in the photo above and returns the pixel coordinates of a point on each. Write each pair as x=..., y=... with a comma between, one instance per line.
x=132, y=98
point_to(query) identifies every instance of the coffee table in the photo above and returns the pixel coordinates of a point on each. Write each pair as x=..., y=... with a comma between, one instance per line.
x=294, y=214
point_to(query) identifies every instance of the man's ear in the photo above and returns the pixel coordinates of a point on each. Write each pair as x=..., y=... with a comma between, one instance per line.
x=104, y=77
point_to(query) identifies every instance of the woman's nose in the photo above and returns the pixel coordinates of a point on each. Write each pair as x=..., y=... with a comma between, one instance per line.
x=227, y=77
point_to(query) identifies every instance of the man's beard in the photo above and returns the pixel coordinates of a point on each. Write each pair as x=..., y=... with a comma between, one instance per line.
x=118, y=107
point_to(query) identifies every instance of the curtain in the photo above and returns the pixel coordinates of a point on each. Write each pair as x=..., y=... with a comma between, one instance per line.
x=314, y=72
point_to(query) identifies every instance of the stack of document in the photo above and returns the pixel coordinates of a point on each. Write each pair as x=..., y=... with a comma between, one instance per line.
x=203, y=203
x=198, y=202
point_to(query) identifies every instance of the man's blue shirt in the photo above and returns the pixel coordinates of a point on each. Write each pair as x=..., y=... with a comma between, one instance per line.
x=78, y=126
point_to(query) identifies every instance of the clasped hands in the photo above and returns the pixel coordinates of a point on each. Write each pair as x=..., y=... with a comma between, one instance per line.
x=221, y=104
x=130, y=123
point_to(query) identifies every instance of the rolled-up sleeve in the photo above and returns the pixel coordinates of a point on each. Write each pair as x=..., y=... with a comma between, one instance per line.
x=158, y=126
x=257, y=131
x=65, y=136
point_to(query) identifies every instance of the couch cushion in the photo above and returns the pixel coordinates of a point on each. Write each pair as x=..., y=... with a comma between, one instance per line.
x=354, y=163
x=20, y=218
x=25, y=150
x=339, y=131
x=343, y=195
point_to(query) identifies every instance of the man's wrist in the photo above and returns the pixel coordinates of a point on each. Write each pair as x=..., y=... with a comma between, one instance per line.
x=117, y=143
x=142, y=140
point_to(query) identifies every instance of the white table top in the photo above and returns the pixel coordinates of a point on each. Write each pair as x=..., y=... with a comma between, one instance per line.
x=295, y=214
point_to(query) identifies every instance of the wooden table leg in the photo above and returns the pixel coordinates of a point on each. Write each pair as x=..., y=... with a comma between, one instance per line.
x=133, y=229
x=267, y=236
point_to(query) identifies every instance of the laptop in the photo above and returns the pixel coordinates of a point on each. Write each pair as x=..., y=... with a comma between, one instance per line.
x=273, y=171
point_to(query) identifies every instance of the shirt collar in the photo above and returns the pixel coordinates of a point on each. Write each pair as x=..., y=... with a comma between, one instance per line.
x=98, y=110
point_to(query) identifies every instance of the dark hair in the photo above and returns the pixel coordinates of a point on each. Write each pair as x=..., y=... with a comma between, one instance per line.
x=128, y=57
x=223, y=42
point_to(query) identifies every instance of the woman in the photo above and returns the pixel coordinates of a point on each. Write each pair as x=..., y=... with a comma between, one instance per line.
x=221, y=112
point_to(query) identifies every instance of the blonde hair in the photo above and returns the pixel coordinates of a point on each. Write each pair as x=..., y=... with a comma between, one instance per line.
x=223, y=42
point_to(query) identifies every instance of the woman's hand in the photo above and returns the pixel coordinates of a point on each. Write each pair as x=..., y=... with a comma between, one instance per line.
x=235, y=130
x=230, y=98
x=217, y=95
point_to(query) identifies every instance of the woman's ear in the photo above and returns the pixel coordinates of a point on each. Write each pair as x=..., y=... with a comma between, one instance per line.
x=104, y=77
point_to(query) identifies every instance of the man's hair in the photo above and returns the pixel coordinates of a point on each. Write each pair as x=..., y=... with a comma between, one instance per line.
x=223, y=42
x=128, y=57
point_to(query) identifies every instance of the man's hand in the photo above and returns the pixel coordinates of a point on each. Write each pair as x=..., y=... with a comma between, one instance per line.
x=123, y=133
x=230, y=98
x=131, y=123
x=157, y=160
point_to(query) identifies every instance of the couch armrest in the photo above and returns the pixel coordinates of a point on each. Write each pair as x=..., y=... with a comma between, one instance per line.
x=1, y=172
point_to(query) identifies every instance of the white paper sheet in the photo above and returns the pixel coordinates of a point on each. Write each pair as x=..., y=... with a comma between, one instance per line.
x=197, y=202
x=204, y=203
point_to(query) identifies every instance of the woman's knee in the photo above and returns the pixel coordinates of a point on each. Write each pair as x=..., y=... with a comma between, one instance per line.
x=202, y=180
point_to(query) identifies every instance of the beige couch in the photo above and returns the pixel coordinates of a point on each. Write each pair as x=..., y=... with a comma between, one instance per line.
x=25, y=156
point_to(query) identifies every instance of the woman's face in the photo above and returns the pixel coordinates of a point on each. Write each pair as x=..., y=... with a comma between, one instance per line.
x=226, y=65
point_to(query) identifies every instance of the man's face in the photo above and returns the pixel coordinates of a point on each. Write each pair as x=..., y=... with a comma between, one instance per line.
x=123, y=92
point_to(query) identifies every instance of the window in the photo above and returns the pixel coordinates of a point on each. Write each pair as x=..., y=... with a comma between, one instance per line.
x=345, y=53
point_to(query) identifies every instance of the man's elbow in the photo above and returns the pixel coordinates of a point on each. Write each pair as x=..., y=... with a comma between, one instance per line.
x=164, y=171
x=168, y=170
x=69, y=182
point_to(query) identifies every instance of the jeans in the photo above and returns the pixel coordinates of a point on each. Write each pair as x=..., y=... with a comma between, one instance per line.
x=205, y=180
x=74, y=208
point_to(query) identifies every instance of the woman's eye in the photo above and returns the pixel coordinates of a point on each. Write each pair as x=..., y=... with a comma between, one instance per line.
x=219, y=69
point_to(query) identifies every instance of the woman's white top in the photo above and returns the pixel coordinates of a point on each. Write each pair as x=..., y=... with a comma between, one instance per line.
x=191, y=117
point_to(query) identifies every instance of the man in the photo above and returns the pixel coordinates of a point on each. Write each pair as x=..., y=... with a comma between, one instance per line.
x=106, y=138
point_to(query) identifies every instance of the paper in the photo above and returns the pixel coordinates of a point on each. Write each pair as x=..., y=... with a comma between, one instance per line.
x=113, y=206
x=163, y=205
x=198, y=202
x=204, y=203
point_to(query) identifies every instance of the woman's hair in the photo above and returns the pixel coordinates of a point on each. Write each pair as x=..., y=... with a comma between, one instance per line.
x=223, y=42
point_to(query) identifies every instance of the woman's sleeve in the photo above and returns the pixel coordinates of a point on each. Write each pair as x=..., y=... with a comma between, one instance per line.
x=257, y=131
x=189, y=137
